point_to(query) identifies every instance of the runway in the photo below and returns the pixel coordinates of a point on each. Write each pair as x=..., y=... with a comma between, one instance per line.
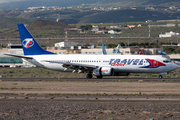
x=95, y=79
x=85, y=100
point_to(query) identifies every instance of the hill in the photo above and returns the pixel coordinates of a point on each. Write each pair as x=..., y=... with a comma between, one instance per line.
x=126, y=16
x=87, y=14
x=9, y=23
x=50, y=29
x=75, y=16
x=113, y=3
x=129, y=3
x=9, y=19
x=39, y=29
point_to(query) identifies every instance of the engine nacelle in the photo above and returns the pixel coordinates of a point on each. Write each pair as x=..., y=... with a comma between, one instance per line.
x=104, y=71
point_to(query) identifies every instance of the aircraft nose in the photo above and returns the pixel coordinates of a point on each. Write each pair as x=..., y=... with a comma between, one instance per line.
x=175, y=66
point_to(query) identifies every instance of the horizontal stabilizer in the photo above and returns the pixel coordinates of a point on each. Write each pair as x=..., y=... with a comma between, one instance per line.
x=20, y=56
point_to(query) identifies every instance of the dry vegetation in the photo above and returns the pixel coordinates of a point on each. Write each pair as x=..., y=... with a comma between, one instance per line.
x=45, y=73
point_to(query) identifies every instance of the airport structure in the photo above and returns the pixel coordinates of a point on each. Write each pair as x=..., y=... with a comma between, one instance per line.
x=169, y=34
x=7, y=61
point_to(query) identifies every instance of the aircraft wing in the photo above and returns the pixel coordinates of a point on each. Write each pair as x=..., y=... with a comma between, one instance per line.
x=75, y=66
x=20, y=56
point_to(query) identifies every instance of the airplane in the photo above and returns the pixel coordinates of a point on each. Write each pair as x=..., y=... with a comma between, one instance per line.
x=140, y=52
x=177, y=63
x=97, y=65
x=116, y=50
x=160, y=52
x=104, y=50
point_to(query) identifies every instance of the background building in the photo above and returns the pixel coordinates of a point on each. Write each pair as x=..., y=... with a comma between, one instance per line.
x=169, y=34
x=8, y=61
x=65, y=44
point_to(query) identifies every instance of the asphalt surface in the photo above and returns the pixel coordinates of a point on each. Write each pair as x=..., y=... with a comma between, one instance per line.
x=90, y=100
x=94, y=79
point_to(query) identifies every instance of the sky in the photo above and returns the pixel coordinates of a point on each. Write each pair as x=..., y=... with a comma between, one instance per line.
x=4, y=1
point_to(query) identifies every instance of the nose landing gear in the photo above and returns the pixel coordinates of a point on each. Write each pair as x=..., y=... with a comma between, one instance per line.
x=160, y=76
x=164, y=73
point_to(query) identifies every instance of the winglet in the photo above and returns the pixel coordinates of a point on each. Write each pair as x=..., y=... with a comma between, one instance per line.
x=29, y=44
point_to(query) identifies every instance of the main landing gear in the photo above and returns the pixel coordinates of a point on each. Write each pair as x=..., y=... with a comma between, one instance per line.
x=99, y=77
x=160, y=76
x=89, y=76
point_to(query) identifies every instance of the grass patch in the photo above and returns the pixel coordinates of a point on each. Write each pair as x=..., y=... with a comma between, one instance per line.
x=45, y=73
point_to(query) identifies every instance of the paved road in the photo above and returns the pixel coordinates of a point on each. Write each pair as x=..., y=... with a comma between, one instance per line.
x=90, y=100
x=95, y=79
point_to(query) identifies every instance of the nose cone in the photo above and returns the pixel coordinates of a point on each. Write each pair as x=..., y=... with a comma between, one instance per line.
x=174, y=66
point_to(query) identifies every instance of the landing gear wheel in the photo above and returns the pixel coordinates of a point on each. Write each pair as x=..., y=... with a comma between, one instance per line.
x=160, y=76
x=88, y=76
x=99, y=77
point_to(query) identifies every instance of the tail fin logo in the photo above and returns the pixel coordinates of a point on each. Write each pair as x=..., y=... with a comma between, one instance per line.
x=140, y=52
x=28, y=42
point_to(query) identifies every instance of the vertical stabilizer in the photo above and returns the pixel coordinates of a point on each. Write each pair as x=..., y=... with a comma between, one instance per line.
x=140, y=52
x=103, y=49
x=29, y=44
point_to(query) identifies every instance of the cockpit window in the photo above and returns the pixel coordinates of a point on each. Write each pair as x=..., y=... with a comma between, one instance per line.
x=166, y=61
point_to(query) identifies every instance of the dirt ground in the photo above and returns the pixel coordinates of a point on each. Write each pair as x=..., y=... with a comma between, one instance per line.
x=89, y=100
x=86, y=110
x=89, y=87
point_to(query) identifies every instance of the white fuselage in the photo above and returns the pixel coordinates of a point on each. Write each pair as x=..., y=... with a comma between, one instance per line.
x=98, y=65
x=120, y=63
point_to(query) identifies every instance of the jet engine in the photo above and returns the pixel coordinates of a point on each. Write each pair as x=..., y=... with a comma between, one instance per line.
x=107, y=71
x=104, y=71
